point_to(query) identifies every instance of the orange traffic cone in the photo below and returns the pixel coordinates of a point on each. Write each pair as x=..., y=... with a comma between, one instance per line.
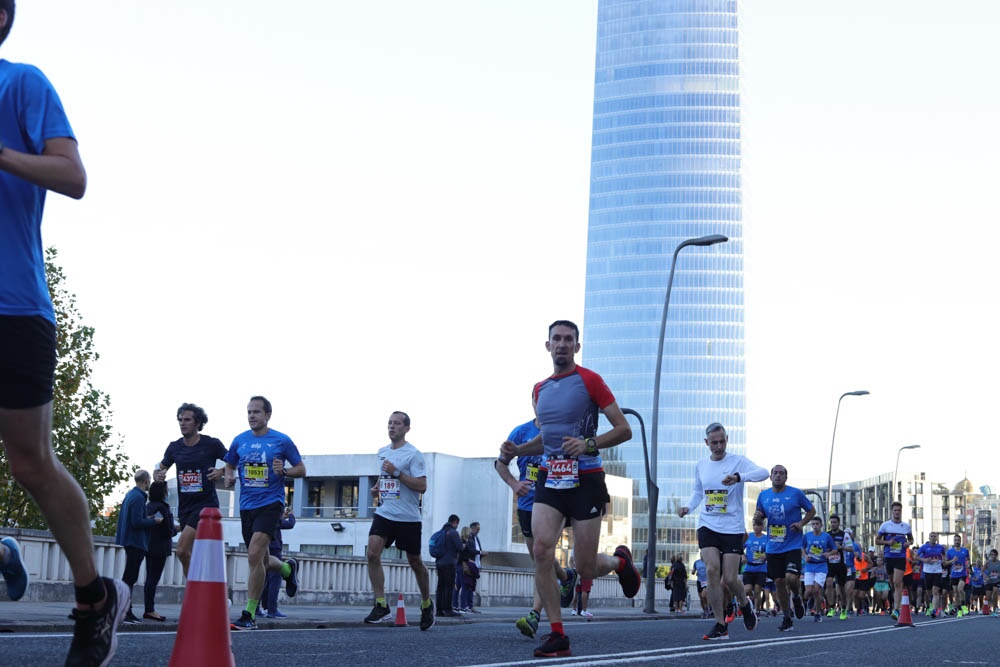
x=904, y=611
x=400, y=613
x=203, y=631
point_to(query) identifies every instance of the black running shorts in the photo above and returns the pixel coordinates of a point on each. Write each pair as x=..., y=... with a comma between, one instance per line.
x=524, y=519
x=788, y=562
x=261, y=520
x=587, y=501
x=27, y=361
x=406, y=534
x=726, y=543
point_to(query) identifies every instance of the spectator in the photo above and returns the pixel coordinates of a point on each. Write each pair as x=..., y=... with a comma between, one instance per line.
x=273, y=580
x=678, y=584
x=161, y=544
x=133, y=534
x=446, y=567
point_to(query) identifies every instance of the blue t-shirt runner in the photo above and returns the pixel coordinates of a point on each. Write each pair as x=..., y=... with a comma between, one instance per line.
x=253, y=457
x=781, y=509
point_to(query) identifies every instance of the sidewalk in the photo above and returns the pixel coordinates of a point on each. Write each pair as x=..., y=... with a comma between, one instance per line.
x=54, y=616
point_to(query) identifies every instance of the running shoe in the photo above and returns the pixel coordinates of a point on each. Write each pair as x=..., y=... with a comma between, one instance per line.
x=572, y=612
x=427, y=617
x=965, y=609
x=276, y=614
x=244, y=622
x=586, y=614
x=153, y=616
x=960, y=614
x=95, y=637
x=555, y=645
x=786, y=624
x=831, y=612
x=629, y=577
x=929, y=612
x=528, y=625
x=292, y=582
x=131, y=619
x=843, y=615
x=749, y=616
x=895, y=614
x=379, y=613
x=566, y=588
x=718, y=631
x=800, y=611
x=730, y=613
x=14, y=572
x=817, y=618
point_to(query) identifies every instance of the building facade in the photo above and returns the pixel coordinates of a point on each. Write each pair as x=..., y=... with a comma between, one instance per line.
x=665, y=167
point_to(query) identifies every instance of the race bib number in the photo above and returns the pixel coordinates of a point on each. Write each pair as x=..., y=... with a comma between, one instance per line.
x=834, y=559
x=190, y=481
x=531, y=474
x=758, y=558
x=388, y=488
x=776, y=533
x=255, y=474
x=564, y=473
x=715, y=501
x=815, y=553
x=896, y=548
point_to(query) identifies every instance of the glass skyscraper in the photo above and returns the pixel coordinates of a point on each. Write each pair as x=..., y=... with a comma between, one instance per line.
x=665, y=167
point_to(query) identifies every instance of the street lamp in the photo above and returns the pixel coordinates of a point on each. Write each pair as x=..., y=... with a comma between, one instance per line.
x=651, y=488
x=654, y=490
x=829, y=473
x=892, y=496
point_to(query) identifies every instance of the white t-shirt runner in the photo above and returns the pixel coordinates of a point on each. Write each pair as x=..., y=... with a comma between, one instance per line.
x=398, y=501
x=723, y=505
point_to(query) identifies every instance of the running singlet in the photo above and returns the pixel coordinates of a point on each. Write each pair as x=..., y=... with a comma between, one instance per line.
x=781, y=510
x=253, y=456
x=897, y=533
x=755, y=551
x=960, y=557
x=700, y=571
x=194, y=488
x=527, y=466
x=568, y=406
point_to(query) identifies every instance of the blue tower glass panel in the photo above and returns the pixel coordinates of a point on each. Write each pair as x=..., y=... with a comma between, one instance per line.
x=665, y=167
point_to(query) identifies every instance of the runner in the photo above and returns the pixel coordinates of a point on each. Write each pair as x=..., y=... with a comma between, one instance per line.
x=571, y=480
x=259, y=457
x=863, y=581
x=817, y=548
x=895, y=536
x=195, y=455
x=718, y=483
x=782, y=507
x=836, y=572
x=958, y=559
x=524, y=489
x=978, y=586
x=848, y=555
x=931, y=555
x=881, y=589
x=39, y=153
x=991, y=575
x=701, y=581
x=755, y=572
x=402, y=478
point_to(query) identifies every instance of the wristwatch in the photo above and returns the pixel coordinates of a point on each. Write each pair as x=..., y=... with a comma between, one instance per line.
x=395, y=473
x=591, y=447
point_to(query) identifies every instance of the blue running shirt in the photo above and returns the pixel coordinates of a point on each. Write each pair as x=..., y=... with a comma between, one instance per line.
x=253, y=456
x=780, y=511
x=527, y=466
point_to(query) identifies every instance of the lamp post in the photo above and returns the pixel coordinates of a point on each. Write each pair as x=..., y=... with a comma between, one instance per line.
x=655, y=491
x=892, y=496
x=651, y=489
x=829, y=473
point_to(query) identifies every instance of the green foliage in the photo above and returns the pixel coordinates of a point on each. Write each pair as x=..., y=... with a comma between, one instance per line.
x=662, y=571
x=81, y=420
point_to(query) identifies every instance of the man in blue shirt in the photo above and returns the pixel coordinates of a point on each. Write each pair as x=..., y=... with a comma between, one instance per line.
x=958, y=559
x=817, y=549
x=259, y=456
x=38, y=153
x=133, y=534
x=755, y=572
x=782, y=507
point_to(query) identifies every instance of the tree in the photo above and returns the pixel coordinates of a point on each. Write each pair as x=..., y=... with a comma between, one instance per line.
x=81, y=416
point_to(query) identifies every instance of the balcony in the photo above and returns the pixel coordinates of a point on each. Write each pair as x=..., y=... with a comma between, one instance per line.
x=329, y=512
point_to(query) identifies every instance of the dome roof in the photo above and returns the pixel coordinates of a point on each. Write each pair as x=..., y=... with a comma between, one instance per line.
x=964, y=487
